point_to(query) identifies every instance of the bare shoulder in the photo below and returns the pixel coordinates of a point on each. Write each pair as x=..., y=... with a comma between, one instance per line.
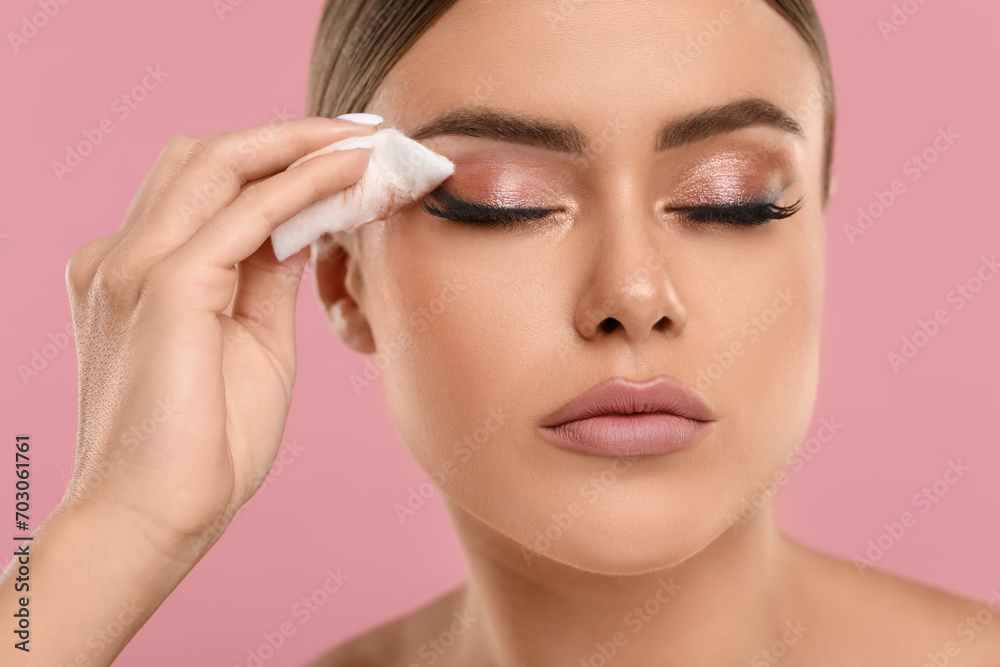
x=875, y=617
x=392, y=643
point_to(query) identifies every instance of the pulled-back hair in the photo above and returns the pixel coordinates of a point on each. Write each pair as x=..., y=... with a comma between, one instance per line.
x=358, y=41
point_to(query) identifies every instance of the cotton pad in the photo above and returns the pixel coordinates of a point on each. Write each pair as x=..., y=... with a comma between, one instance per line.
x=400, y=171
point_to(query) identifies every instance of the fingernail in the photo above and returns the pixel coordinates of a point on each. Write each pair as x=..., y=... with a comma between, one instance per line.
x=363, y=118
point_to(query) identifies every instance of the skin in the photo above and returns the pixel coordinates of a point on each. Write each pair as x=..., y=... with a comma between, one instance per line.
x=167, y=315
x=169, y=308
x=528, y=320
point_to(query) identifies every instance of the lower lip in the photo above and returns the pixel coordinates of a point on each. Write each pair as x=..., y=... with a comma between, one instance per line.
x=641, y=434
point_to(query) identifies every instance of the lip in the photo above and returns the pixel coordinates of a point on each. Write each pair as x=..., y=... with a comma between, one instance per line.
x=623, y=417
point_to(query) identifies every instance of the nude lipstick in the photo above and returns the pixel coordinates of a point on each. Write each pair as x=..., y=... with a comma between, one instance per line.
x=623, y=417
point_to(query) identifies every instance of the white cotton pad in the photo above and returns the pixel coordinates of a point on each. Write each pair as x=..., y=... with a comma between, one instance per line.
x=399, y=172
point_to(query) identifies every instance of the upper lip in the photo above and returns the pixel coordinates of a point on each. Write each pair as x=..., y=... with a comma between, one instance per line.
x=622, y=396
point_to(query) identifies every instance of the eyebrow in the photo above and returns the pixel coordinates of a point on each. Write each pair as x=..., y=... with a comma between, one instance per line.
x=504, y=126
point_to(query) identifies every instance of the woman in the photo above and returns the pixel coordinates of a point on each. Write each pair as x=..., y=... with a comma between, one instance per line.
x=640, y=192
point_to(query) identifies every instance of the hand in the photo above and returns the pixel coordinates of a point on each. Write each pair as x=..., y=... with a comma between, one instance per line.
x=183, y=406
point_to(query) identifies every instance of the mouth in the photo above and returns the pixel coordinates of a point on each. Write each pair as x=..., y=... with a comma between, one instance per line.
x=622, y=417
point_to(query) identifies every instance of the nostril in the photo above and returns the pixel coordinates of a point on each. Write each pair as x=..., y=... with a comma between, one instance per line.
x=609, y=324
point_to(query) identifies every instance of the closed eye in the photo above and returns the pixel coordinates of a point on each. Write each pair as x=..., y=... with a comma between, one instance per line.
x=450, y=207
x=443, y=204
x=740, y=214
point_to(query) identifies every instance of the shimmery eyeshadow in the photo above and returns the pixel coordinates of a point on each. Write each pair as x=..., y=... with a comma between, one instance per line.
x=730, y=176
x=500, y=184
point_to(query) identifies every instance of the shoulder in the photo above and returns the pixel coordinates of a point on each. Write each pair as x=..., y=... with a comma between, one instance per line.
x=391, y=644
x=883, y=618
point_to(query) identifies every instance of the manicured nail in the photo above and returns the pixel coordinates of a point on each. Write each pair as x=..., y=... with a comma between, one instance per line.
x=364, y=118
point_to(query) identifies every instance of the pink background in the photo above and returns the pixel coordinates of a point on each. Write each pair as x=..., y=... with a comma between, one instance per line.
x=332, y=505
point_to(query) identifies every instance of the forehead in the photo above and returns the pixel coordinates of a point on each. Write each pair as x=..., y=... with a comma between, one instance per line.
x=603, y=64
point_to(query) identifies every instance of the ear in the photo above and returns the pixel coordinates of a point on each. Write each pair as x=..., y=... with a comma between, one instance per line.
x=340, y=286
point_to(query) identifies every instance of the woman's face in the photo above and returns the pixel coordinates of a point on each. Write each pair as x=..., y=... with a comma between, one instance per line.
x=482, y=331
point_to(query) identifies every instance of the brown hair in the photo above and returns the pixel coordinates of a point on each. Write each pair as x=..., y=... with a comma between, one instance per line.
x=358, y=41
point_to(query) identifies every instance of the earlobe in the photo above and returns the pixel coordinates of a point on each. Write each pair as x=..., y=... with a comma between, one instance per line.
x=351, y=325
x=338, y=284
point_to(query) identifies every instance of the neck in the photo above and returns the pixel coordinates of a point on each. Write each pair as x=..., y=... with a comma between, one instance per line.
x=729, y=601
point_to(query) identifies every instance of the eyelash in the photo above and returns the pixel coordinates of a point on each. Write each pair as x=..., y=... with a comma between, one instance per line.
x=737, y=214
x=484, y=215
x=741, y=214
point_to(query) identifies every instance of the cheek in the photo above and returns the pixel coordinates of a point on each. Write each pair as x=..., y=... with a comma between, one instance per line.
x=762, y=364
x=456, y=317
x=472, y=330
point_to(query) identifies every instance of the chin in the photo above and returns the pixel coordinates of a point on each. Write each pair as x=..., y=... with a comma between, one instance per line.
x=620, y=538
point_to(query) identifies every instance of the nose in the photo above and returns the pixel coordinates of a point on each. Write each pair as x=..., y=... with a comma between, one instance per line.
x=629, y=290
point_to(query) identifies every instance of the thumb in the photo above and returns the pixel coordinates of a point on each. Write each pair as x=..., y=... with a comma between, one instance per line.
x=266, y=292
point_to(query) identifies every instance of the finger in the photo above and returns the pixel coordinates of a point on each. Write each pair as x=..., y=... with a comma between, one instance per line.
x=236, y=232
x=229, y=309
x=164, y=168
x=213, y=173
x=266, y=294
x=222, y=164
x=84, y=263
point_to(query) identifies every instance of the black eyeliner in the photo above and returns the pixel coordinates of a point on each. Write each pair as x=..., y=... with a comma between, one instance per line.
x=462, y=210
x=743, y=214
x=737, y=214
